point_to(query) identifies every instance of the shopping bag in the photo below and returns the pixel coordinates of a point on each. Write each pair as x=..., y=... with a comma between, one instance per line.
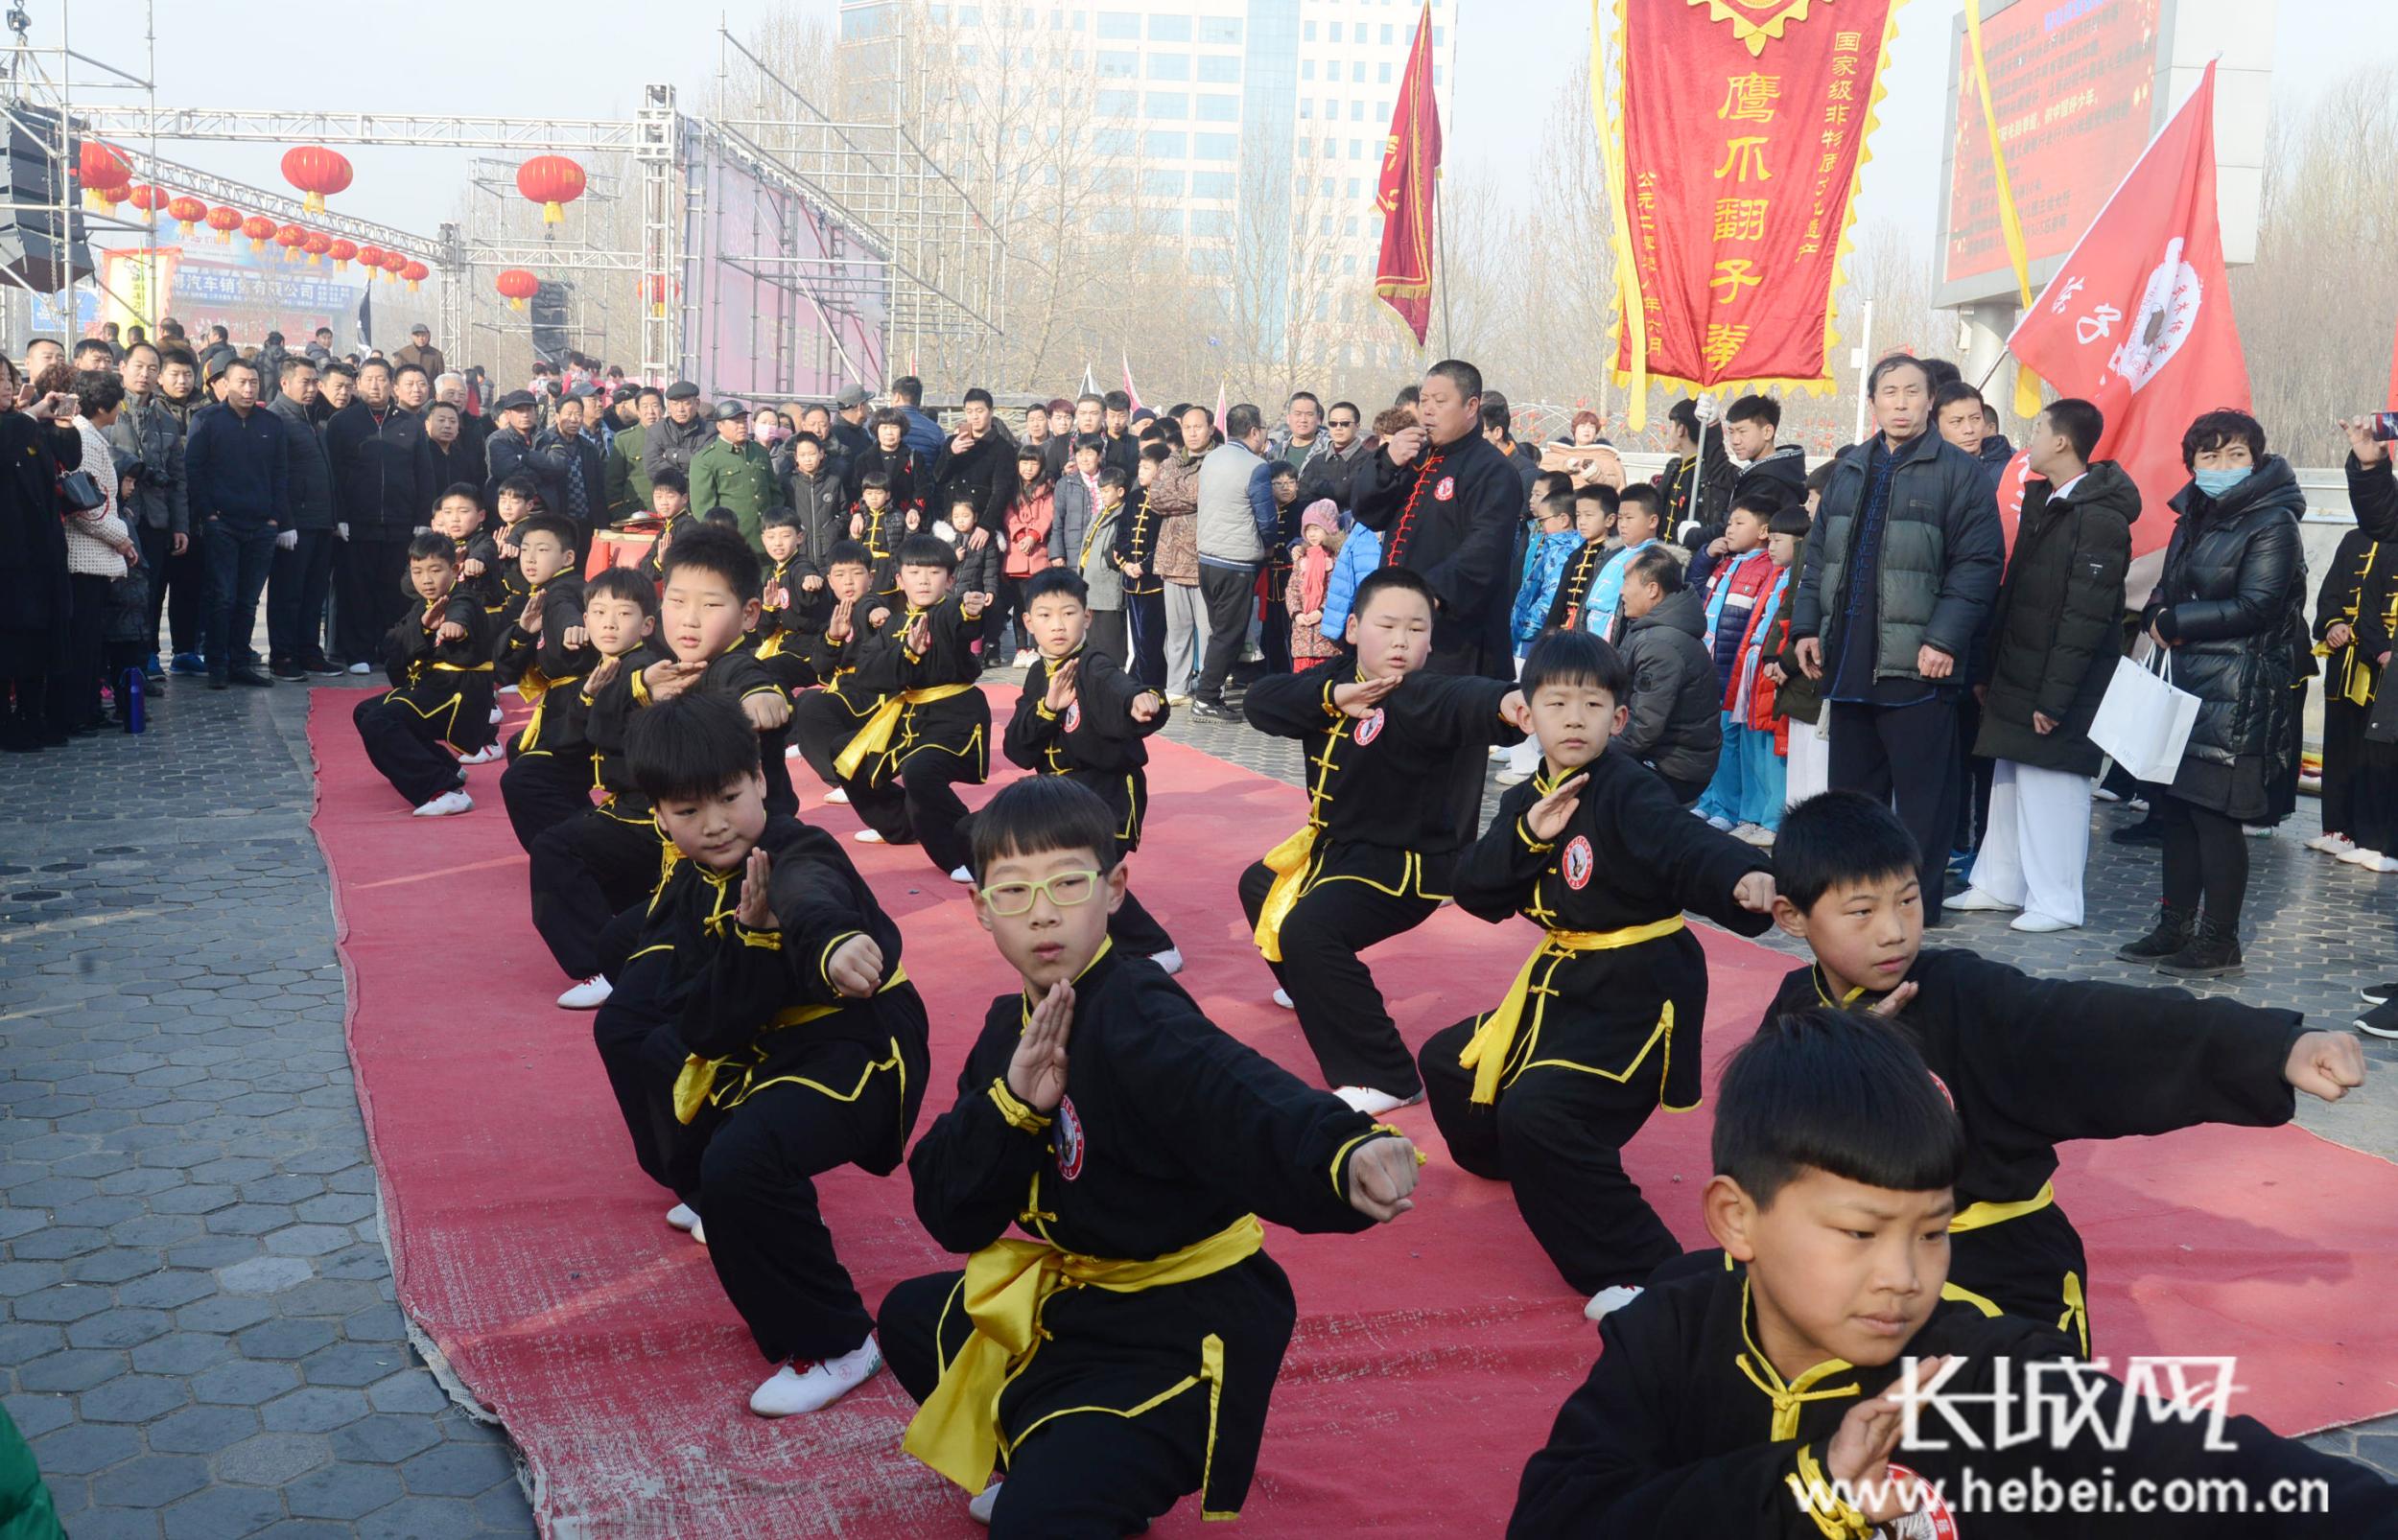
x=2144, y=722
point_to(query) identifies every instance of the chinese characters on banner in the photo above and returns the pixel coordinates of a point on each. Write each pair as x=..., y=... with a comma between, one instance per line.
x=1742, y=128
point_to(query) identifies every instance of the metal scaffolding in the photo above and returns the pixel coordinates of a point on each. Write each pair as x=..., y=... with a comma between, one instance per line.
x=36, y=85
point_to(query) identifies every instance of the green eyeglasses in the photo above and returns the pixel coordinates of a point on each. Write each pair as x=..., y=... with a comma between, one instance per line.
x=1066, y=890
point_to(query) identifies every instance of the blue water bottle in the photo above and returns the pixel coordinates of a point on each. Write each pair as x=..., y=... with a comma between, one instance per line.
x=129, y=699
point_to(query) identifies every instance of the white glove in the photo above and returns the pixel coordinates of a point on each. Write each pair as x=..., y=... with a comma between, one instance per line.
x=1709, y=410
x=341, y=531
x=288, y=540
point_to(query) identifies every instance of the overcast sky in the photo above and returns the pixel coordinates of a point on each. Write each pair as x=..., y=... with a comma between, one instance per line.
x=456, y=57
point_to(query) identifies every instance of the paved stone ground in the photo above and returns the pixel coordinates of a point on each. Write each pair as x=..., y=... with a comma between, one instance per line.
x=200, y=1337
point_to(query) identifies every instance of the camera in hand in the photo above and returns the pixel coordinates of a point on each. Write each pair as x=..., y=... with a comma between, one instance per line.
x=2386, y=426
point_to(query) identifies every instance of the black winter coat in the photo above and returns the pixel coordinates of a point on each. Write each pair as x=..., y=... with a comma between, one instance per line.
x=2056, y=632
x=1676, y=699
x=1782, y=474
x=822, y=504
x=381, y=471
x=2232, y=603
x=1452, y=514
x=1334, y=474
x=985, y=472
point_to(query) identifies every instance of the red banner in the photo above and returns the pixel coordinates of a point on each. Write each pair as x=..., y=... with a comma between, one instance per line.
x=1411, y=164
x=1738, y=129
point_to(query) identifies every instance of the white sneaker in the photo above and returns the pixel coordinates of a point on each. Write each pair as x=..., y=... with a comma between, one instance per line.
x=1373, y=1103
x=1170, y=960
x=483, y=755
x=1178, y=700
x=1976, y=898
x=2333, y=844
x=836, y=798
x=2032, y=923
x=791, y=751
x=2360, y=856
x=1513, y=777
x=589, y=995
x=2257, y=830
x=360, y=669
x=1498, y=752
x=2101, y=794
x=1024, y=660
x=446, y=804
x=1610, y=1299
x=2380, y=863
x=700, y=1230
x=811, y=1387
x=2138, y=805
x=1722, y=825
x=496, y=714
x=867, y=836
x=961, y=875
x=1756, y=835
x=1281, y=998
x=979, y=1509
x=683, y=1217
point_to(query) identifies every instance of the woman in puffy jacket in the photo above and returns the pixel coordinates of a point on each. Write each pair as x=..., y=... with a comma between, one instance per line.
x=1030, y=510
x=2230, y=607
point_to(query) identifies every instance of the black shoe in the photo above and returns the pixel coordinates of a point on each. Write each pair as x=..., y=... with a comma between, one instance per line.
x=217, y=682
x=2382, y=1021
x=287, y=670
x=1213, y=712
x=324, y=668
x=248, y=676
x=2147, y=831
x=2213, y=952
x=2379, y=994
x=2171, y=935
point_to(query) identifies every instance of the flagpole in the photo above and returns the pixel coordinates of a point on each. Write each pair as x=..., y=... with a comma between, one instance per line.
x=1448, y=332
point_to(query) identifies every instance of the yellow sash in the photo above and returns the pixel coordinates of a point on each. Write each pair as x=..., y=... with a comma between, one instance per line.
x=539, y=685
x=1486, y=1055
x=697, y=1078
x=1288, y=862
x=876, y=736
x=956, y=1430
x=1981, y=1216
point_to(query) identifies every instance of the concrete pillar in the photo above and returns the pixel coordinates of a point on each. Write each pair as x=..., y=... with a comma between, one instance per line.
x=1986, y=326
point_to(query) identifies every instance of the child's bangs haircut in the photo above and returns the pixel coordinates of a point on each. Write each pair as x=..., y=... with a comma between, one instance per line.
x=721, y=518
x=848, y=553
x=1056, y=580
x=545, y=524
x=461, y=489
x=623, y=583
x=1575, y=658
x=430, y=546
x=690, y=746
x=1382, y=580
x=715, y=549
x=1560, y=507
x=1116, y=477
x=672, y=478
x=1761, y=506
x=1791, y=519
x=1838, y=839
x=875, y=482
x=1605, y=495
x=1837, y=1091
x=1037, y=815
x=1641, y=495
x=780, y=518
x=519, y=486
x=927, y=550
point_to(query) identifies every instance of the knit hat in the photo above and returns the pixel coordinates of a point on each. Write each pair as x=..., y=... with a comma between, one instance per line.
x=1323, y=512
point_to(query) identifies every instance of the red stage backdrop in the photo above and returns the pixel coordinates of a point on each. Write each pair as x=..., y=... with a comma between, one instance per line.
x=1411, y=166
x=1737, y=129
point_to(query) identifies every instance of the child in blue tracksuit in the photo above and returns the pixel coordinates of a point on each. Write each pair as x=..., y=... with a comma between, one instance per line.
x=1640, y=516
x=1546, y=556
x=1361, y=552
x=1736, y=583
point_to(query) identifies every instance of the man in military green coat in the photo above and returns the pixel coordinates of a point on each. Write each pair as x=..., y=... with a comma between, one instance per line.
x=733, y=473
x=628, y=478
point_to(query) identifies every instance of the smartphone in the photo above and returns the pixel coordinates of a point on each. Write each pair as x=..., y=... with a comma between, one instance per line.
x=2386, y=426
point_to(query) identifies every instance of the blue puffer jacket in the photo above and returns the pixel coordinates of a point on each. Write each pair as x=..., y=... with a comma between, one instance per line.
x=1361, y=552
x=1544, y=563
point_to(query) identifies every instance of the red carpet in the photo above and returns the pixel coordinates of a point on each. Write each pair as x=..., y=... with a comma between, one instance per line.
x=527, y=1245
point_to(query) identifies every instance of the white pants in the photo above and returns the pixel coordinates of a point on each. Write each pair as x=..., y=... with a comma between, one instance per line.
x=1186, y=635
x=1810, y=762
x=2037, y=840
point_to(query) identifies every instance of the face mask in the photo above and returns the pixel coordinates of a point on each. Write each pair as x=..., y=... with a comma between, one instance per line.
x=2215, y=483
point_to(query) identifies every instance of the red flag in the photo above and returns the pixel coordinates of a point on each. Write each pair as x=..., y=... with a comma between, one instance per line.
x=2139, y=319
x=1411, y=164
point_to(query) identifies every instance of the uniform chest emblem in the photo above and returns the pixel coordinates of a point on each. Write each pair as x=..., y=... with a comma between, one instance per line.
x=1073, y=715
x=1447, y=490
x=1933, y=1518
x=1370, y=729
x=1577, y=863
x=1070, y=1147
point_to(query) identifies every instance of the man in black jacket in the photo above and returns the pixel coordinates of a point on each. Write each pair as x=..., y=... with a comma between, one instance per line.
x=677, y=437
x=1896, y=584
x=2055, y=636
x=1332, y=472
x=1751, y=426
x=581, y=469
x=382, y=491
x=513, y=451
x=301, y=575
x=240, y=489
x=975, y=463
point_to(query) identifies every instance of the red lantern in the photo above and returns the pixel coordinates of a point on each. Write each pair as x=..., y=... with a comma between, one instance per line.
x=416, y=272
x=517, y=285
x=316, y=246
x=103, y=173
x=147, y=197
x=224, y=220
x=394, y=262
x=291, y=238
x=342, y=252
x=260, y=229
x=187, y=211
x=370, y=258
x=552, y=181
x=656, y=286
x=317, y=172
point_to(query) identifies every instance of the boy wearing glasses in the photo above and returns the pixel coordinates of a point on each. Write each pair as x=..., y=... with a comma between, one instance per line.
x=763, y=1033
x=1138, y=1145
x=1082, y=718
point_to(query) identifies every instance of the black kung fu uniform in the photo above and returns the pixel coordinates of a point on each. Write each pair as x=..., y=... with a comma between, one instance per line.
x=1685, y=1428
x=743, y=670
x=1096, y=743
x=1171, y=1134
x=2031, y=1063
x=593, y=866
x=780, y=626
x=800, y=1078
x=486, y=587
x=1144, y=596
x=441, y=693
x=1573, y=587
x=825, y=719
x=1382, y=849
x=932, y=744
x=1607, y=1033
x=548, y=779
x=2349, y=676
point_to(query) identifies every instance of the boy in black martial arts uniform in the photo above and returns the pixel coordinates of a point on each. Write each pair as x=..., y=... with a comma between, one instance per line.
x=791, y=609
x=1765, y=1393
x=1120, y=1353
x=1594, y=520
x=551, y=769
x=587, y=873
x=551, y=603
x=1082, y=718
x=1603, y=1023
x=670, y=498
x=2349, y=677
x=1144, y=590
x=2029, y=1062
x=438, y=658
x=460, y=515
x=932, y=728
x=824, y=719
x=1374, y=858
x=762, y=1033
